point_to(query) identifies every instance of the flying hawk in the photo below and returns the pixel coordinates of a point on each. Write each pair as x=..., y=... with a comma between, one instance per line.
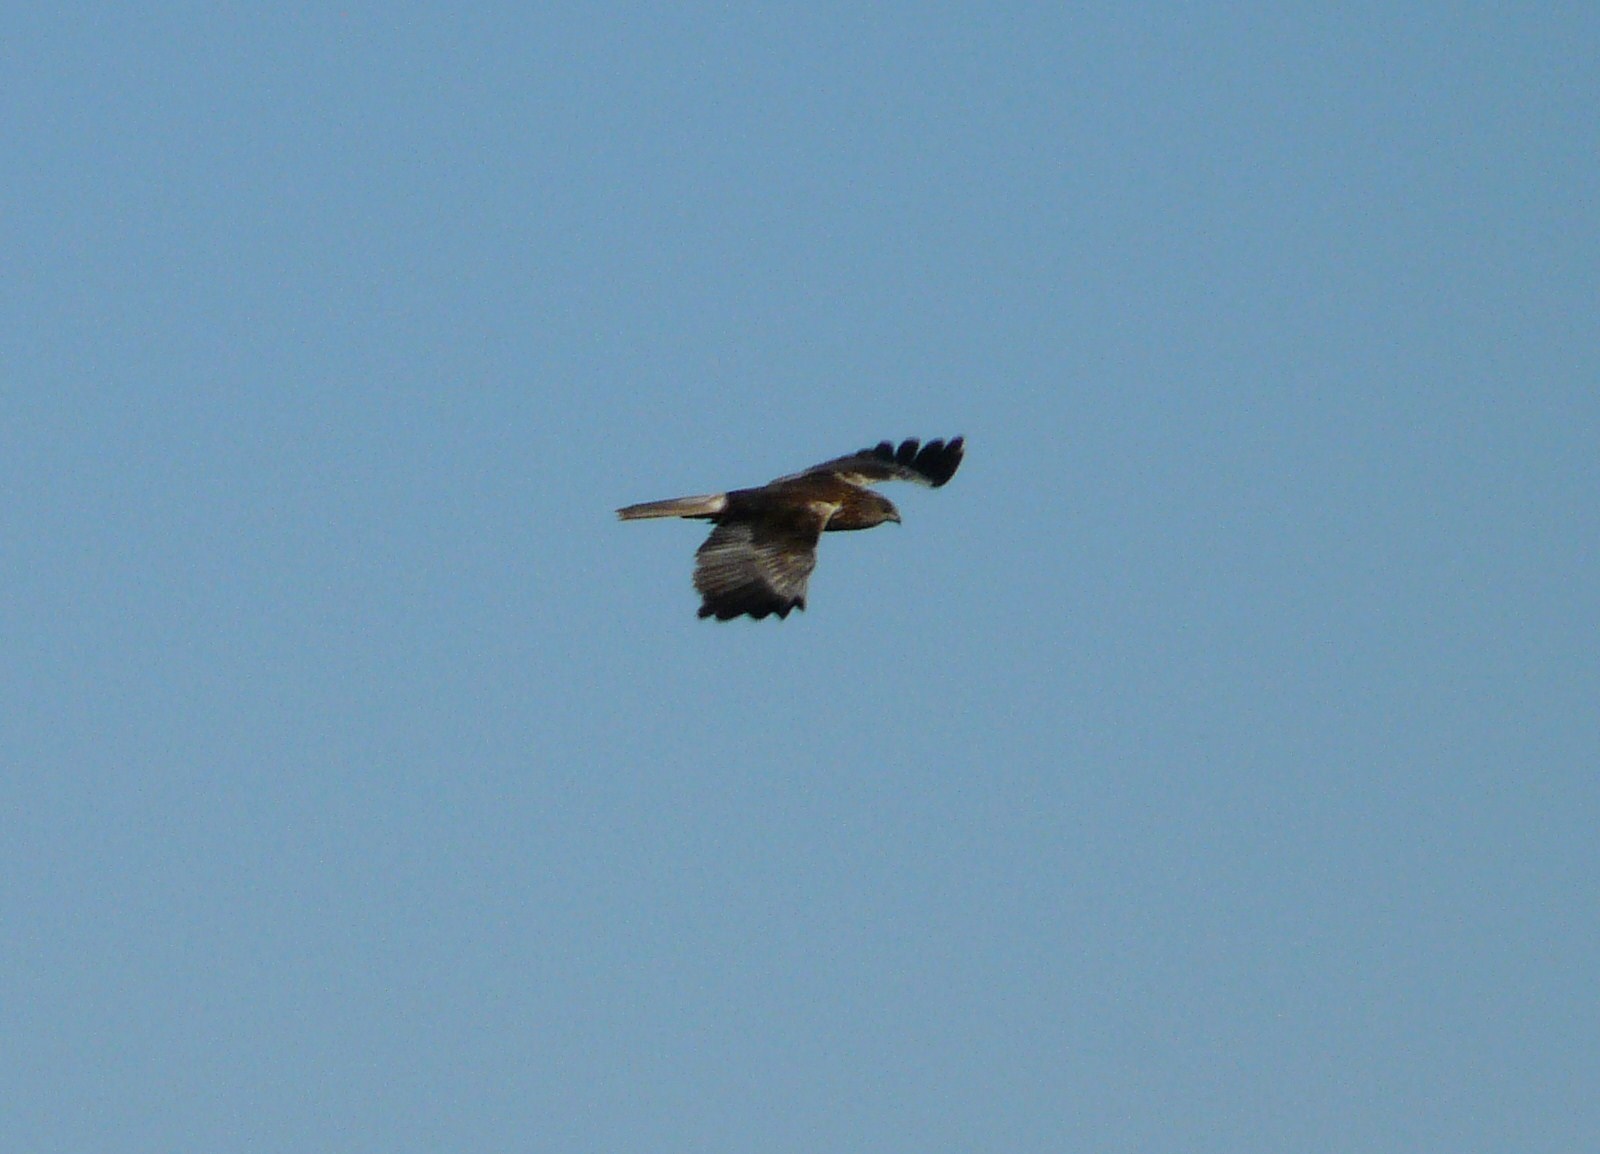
x=764, y=545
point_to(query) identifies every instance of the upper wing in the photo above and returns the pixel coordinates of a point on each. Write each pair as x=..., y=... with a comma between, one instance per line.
x=760, y=565
x=931, y=464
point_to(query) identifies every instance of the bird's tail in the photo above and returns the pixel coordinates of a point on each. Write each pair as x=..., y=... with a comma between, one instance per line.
x=707, y=506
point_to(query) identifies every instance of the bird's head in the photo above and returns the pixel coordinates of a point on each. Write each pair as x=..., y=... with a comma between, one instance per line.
x=862, y=509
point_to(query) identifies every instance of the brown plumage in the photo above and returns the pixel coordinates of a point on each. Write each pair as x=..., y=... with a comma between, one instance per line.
x=764, y=546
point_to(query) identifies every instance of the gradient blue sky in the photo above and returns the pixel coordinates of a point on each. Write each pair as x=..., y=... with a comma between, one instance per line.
x=1212, y=766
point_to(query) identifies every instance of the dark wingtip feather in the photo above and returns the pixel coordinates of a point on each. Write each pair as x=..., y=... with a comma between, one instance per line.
x=755, y=603
x=939, y=460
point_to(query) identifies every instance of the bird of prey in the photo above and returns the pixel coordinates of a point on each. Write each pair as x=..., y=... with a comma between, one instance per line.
x=764, y=544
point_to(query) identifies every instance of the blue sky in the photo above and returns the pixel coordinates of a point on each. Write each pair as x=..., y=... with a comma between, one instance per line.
x=1211, y=766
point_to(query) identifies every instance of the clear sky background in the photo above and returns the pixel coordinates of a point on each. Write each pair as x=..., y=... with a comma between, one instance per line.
x=1213, y=765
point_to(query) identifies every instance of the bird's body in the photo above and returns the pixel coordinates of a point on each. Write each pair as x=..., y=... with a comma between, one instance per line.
x=764, y=546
